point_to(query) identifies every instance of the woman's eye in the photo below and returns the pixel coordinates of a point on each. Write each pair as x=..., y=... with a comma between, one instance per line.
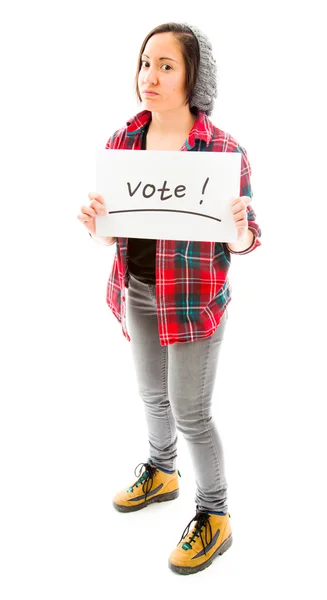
x=145, y=63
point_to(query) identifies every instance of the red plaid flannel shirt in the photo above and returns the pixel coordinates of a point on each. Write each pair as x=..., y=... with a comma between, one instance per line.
x=192, y=286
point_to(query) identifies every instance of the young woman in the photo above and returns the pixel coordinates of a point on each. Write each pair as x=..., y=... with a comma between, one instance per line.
x=176, y=308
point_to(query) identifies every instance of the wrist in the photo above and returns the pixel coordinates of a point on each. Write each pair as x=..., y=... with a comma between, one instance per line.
x=243, y=245
x=105, y=241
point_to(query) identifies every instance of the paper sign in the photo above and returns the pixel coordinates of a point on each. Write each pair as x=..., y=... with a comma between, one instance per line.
x=171, y=195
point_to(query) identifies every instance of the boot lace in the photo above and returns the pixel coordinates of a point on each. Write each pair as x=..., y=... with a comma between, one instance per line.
x=202, y=521
x=145, y=478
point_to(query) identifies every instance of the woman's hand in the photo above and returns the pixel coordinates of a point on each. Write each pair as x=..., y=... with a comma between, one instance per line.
x=240, y=215
x=88, y=213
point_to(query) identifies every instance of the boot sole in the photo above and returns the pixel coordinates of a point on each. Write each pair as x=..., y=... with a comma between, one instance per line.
x=189, y=570
x=158, y=498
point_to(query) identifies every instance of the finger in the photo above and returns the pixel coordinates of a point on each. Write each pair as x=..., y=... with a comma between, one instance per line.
x=240, y=222
x=237, y=206
x=88, y=210
x=98, y=207
x=239, y=214
x=95, y=196
x=84, y=218
x=243, y=201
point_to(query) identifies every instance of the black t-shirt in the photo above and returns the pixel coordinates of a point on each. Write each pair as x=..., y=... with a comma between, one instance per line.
x=142, y=252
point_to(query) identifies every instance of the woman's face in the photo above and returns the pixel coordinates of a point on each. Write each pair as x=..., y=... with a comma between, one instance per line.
x=163, y=72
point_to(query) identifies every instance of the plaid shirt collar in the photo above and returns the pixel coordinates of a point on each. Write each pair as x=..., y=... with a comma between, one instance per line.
x=202, y=128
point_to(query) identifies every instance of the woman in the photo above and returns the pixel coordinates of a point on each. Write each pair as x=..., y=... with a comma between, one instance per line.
x=178, y=292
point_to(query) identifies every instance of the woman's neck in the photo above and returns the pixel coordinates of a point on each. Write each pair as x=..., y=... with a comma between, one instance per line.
x=172, y=122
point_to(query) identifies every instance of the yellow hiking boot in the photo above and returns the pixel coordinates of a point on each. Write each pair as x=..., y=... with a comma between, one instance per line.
x=195, y=551
x=153, y=485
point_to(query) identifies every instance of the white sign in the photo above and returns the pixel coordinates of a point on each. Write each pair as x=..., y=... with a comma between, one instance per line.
x=169, y=195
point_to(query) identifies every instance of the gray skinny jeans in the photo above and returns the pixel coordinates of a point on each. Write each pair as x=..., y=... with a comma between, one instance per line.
x=176, y=383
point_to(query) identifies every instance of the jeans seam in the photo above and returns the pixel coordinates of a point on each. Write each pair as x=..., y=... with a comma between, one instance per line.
x=165, y=388
x=152, y=291
x=212, y=446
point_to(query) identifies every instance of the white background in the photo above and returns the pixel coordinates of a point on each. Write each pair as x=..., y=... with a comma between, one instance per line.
x=72, y=424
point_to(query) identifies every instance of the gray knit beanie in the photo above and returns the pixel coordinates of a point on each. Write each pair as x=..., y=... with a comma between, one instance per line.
x=205, y=90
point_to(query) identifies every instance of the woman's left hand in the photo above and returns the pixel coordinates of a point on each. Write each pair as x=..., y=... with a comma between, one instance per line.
x=240, y=215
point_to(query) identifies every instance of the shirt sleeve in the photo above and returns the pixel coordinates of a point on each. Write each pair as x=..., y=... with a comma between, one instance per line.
x=110, y=143
x=115, y=140
x=246, y=190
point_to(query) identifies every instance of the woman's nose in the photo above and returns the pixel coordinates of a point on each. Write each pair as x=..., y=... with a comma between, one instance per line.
x=150, y=76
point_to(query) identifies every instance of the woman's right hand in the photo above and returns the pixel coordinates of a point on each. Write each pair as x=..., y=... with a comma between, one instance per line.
x=88, y=213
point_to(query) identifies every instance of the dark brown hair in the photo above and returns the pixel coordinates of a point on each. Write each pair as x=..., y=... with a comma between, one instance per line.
x=190, y=50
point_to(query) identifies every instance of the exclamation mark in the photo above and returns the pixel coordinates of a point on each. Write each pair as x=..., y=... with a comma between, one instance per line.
x=204, y=187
